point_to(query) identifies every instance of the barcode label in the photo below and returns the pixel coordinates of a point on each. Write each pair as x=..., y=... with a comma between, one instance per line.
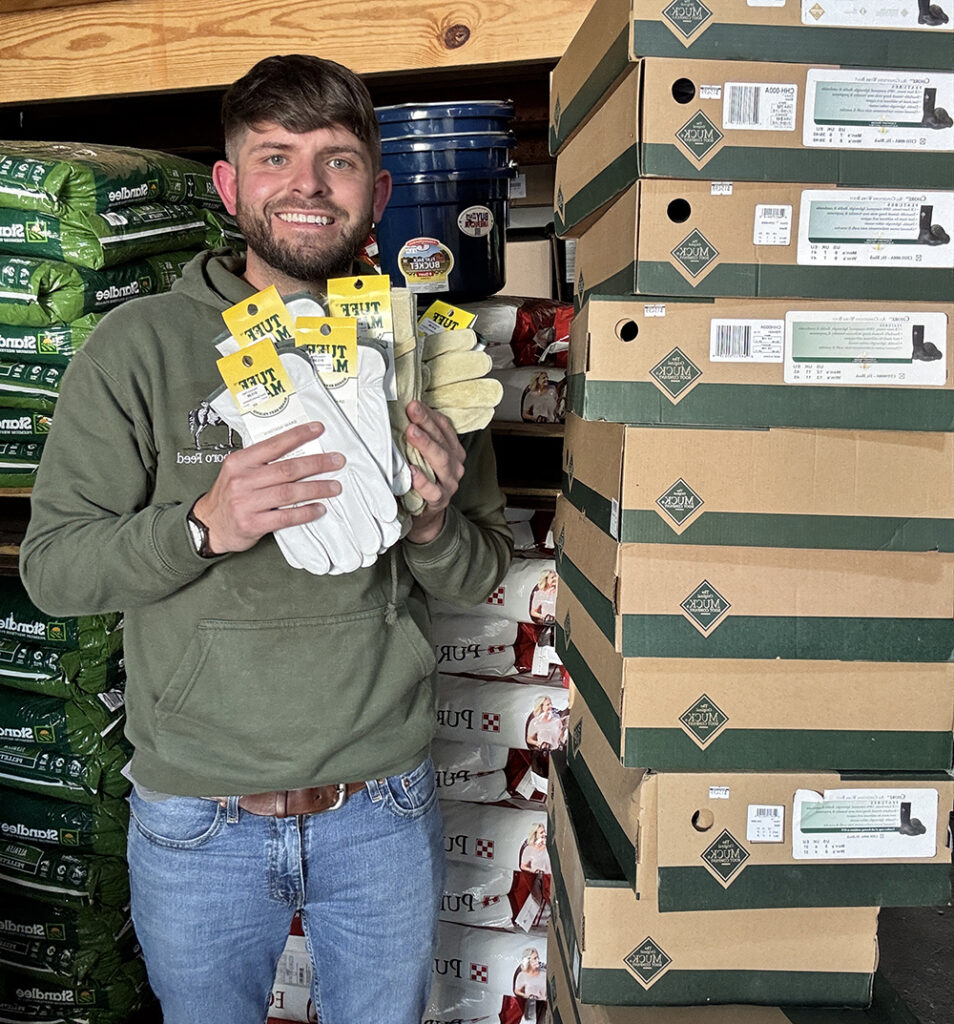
x=768, y=812
x=759, y=106
x=741, y=106
x=765, y=824
x=733, y=342
x=746, y=341
x=775, y=212
x=773, y=225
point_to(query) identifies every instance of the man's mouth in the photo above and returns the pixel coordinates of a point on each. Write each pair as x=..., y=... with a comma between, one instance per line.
x=297, y=217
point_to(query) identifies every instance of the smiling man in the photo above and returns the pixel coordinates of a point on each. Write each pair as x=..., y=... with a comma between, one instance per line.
x=280, y=720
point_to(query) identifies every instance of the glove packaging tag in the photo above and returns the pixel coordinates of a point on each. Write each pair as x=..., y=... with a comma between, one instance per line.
x=262, y=389
x=332, y=345
x=263, y=315
x=368, y=301
x=441, y=316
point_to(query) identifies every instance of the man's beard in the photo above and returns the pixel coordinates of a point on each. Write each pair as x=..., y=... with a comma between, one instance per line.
x=303, y=262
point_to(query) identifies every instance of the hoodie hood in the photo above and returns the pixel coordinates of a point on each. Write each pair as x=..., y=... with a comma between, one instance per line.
x=213, y=277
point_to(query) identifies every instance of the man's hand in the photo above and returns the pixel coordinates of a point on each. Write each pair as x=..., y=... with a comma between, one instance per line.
x=432, y=434
x=255, y=494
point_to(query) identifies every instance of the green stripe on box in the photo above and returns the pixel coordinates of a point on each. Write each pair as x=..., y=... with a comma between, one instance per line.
x=612, y=181
x=909, y=169
x=802, y=884
x=599, y=607
x=763, y=405
x=617, y=987
x=599, y=704
x=766, y=529
x=883, y=48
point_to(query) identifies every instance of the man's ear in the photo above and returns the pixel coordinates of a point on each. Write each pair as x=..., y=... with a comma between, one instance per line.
x=381, y=194
x=224, y=179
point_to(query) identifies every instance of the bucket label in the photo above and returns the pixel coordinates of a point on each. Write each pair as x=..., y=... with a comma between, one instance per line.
x=476, y=221
x=425, y=264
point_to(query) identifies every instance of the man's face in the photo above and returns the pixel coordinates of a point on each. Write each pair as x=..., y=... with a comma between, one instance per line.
x=304, y=201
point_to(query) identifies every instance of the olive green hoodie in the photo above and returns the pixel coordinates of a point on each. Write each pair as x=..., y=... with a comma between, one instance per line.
x=243, y=674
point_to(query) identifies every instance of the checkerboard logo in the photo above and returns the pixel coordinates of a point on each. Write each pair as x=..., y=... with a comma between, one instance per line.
x=489, y=901
x=484, y=848
x=479, y=973
x=496, y=648
x=490, y=722
x=497, y=597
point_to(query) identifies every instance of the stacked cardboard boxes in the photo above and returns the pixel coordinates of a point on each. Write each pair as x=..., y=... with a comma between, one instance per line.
x=754, y=540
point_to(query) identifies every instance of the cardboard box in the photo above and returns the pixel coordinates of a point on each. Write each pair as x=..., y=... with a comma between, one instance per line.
x=756, y=121
x=704, y=601
x=564, y=1008
x=776, y=363
x=625, y=952
x=529, y=268
x=780, y=487
x=736, y=840
x=668, y=237
x=617, y=32
x=725, y=714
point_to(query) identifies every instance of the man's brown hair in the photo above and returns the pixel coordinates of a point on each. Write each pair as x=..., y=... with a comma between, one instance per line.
x=301, y=93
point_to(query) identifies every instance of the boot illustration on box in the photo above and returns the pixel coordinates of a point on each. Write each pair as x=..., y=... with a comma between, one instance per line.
x=910, y=826
x=934, y=117
x=926, y=351
x=928, y=233
x=931, y=14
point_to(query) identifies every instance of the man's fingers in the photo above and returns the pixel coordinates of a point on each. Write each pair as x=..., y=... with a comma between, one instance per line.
x=273, y=448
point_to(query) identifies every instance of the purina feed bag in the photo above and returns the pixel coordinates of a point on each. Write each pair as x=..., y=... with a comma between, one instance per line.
x=51, y=874
x=55, y=343
x=527, y=593
x=513, y=838
x=41, y=669
x=474, y=644
x=92, y=828
x=79, y=725
x=531, y=394
x=67, y=943
x=59, y=176
x=36, y=292
x=20, y=426
x=453, y=1003
x=486, y=773
x=20, y=619
x=98, y=240
x=79, y=778
x=482, y=897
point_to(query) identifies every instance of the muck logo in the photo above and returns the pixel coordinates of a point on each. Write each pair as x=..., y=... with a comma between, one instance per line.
x=699, y=135
x=675, y=373
x=560, y=205
x=695, y=252
x=679, y=502
x=647, y=961
x=566, y=630
x=569, y=472
x=725, y=856
x=557, y=115
x=687, y=17
x=577, y=736
x=703, y=720
x=705, y=606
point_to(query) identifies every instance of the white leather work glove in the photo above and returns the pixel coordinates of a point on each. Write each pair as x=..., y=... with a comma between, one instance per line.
x=359, y=523
x=454, y=379
x=373, y=418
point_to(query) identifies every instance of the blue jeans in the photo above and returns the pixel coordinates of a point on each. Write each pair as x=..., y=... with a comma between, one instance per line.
x=214, y=890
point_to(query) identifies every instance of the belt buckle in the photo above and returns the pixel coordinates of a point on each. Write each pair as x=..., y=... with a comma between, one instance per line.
x=342, y=796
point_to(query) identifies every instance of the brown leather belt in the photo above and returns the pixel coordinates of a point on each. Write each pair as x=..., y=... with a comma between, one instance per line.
x=286, y=803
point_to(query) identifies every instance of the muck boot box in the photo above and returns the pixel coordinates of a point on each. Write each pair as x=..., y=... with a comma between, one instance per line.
x=764, y=239
x=887, y=1007
x=862, y=490
x=741, y=840
x=616, y=33
x=625, y=952
x=723, y=714
x=705, y=601
x=776, y=363
x=755, y=121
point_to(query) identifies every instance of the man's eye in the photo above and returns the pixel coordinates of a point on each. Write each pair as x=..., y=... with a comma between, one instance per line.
x=275, y=159
x=339, y=163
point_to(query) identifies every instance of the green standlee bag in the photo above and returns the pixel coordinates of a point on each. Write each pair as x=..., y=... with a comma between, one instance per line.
x=56, y=177
x=36, y=292
x=20, y=619
x=83, y=724
x=40, y=668
x=55, y=344
x=110, y=1001
x=78, y=778
x=34, y=386
x=18, y=426
x=94, y=828
x=98, y=240
x=222, y=231
x=70, y=944
x=50, y=874
x=19, y=461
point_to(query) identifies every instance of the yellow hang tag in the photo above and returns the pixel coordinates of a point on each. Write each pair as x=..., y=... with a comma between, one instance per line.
x=441, y=316
x=256, y=379
x=262, y=315
x=365, y=299
x=332, y=344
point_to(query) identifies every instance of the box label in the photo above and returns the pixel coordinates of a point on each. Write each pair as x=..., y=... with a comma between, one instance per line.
x=773, y=225
x=746, y=341
x=679, y=502
x=834, y=347
x=759, y=106
x=699, y=135
x=765, y=823
x=848, y=109
x=849, y=14
x=725, y=856
x=864, y=824
x=875, y=228
x=705, y=606
x=702, y=721
x=675, y=372
x=647, y=961
x=687, y=16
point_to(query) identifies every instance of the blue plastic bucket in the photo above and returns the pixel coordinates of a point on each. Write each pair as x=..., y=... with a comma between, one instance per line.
x=414, y=154
x=444, y=118
x=446, y=235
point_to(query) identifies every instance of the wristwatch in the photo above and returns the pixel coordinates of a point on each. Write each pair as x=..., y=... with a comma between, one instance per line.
x=199, y=533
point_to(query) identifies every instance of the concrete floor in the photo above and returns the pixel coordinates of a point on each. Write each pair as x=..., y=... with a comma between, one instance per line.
x=917, y=956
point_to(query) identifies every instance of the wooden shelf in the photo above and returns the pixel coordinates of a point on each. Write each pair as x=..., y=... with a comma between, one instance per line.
x=529, y=429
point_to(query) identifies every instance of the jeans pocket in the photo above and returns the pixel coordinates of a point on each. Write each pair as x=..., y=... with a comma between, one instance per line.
x=412, y=794
x=179, y=822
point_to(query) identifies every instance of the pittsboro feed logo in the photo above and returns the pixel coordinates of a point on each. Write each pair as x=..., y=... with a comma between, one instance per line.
x=687, y=17
x=679, y=502
x=647, y=961
x=703, y=720
x=675, y=372
x=699, y=135
x=695, y=252
x=705, y=606
x=725, y=856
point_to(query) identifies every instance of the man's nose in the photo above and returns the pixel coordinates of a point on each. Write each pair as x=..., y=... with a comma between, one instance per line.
x=310, y=179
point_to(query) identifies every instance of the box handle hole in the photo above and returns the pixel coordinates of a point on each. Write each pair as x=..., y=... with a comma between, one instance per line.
x=683, y=90
x=626, y=330
x=703, y=820
x=679, y=211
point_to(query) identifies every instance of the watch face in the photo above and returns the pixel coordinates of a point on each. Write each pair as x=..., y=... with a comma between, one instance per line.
x=198, y=536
